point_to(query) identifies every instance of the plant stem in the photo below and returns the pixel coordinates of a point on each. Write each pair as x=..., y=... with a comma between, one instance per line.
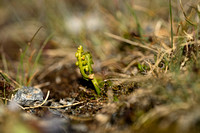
x=172, y=34
x=95, y=83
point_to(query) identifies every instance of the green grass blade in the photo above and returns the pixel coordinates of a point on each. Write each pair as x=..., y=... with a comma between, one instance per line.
x=139, y=28
x=170, y=14
x=20, y=70
x=38, y=56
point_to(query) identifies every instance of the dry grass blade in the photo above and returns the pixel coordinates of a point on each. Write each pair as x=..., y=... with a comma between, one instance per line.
x=136, y=61
x=159, y=59
x=42, y=85
x=140, y=78
x=186, y=18
x=191, y=42
x=62, y=106
x=131, y=42
x=146, y=10
x=77, y=118
x=13, y=81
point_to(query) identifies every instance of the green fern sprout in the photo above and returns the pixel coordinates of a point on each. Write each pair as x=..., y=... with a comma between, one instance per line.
x=85, y=65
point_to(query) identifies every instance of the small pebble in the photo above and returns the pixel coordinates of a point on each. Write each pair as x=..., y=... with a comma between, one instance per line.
x=27, y=96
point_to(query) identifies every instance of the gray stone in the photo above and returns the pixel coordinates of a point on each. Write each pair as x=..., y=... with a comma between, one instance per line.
x=27, y=96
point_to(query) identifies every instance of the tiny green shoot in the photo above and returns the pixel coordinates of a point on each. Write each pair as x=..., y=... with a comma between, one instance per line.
x=84, y=62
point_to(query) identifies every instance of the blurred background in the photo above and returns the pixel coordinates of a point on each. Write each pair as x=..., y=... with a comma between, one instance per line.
x=79, y=22
x=71, y=23
x=39, y=38
x=65, y=24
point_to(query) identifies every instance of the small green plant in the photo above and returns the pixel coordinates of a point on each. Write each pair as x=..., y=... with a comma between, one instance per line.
x=142, y=67
x=84, y=62
x=29, y=60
